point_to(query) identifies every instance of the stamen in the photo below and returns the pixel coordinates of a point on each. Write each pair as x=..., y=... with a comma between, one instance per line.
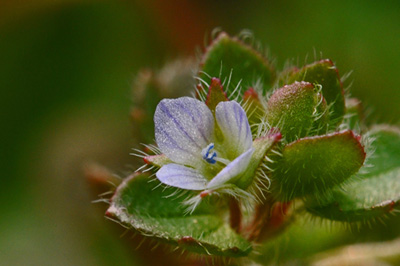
x=222, y=160
x=209, y=157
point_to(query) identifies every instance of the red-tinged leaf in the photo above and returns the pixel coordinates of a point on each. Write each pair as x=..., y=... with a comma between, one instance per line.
x=216, y=94
x=151, y=210
x=313, y=165
x=376, y=191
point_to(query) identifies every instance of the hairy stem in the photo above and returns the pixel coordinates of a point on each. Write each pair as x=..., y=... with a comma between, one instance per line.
x=235, y=214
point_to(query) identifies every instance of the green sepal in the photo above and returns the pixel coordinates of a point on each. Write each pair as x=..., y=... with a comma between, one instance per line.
x=157, y=160
x=324, y=72
x=155, y=212
x=226, y=54
x=215, y=95
x=313, y=165
x=376, y=192
x=298, y=110
x=255, y=110
x=262, y=146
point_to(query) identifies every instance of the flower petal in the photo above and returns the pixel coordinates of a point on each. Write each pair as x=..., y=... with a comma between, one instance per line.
x=232, y=171
x=232, y=121
x=183, y=127
x=180, y=176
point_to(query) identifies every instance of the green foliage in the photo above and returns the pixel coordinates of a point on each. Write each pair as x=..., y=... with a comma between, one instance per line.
x=226, y=54
x=325, y=74
x=374, y=194
x=302, y=151
x=297, y=110
x=255, y=109
x=313, y=165
x=152, y=211
x=262, y=146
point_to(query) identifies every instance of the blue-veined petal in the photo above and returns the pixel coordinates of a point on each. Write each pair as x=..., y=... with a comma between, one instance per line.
x=232, y=171
x=183, y=128
x=232, y=121
x=180, y=176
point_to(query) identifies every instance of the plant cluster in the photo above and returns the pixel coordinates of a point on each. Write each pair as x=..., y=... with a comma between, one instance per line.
x=250, y=151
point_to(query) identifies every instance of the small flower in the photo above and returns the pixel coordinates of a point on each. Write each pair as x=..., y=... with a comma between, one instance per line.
x=207, y=152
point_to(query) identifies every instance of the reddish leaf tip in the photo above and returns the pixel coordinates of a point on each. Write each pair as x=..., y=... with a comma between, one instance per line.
x=251, y=93
x=216, y=82
x=109, y=214
x=215, y=93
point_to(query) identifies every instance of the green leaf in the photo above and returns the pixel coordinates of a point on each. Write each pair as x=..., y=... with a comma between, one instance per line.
x=324, y=73
x=375, y=193
x=297, y=110
x=255, y=110
x=153, y=212
x=313, y=165
x=226, y=54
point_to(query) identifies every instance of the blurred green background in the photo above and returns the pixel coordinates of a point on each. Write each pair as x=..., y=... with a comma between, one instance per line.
x=66, y=70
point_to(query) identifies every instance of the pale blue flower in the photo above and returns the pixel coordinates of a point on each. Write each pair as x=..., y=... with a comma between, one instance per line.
x=207, y=151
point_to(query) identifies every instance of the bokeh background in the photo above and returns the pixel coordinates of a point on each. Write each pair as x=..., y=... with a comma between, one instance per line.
x=66, y=71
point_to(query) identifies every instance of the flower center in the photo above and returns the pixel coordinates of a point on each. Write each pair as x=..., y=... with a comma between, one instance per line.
x=210, y=156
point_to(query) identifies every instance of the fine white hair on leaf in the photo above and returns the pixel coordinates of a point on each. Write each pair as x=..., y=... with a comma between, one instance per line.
x=202, y=81
x=139, y=153
x=152, y=148
x=236, y=91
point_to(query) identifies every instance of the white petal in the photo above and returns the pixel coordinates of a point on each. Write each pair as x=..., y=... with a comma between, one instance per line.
x=180, y=176
x=232, y=121
x=232, y=171
x=183, y=127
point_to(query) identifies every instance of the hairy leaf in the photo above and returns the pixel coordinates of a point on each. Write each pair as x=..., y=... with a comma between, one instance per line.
x=262, y=146
x=155, y=213
x=375, y=193
x=324, y=73
x=215, y=95
x=298, y=110
x=313, y=165
x=226, y=54
x=254, y=108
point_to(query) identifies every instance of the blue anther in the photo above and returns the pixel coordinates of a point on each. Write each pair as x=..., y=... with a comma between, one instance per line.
x=209, y=157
